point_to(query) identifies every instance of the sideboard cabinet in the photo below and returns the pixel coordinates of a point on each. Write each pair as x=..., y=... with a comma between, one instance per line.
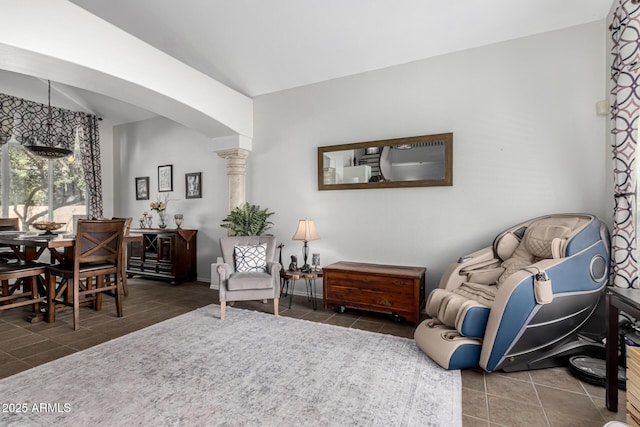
x=392, y=289
x=166, y=254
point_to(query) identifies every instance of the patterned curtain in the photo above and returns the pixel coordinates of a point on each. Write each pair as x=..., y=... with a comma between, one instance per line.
x=28, y=122
x=625, y=108
x=90, y=146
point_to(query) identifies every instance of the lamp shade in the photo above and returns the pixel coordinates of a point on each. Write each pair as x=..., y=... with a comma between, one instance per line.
x=306, y=231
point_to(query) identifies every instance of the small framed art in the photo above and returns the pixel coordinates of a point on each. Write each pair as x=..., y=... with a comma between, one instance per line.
x=142, y=188
x=165, y=178
x=193, y=183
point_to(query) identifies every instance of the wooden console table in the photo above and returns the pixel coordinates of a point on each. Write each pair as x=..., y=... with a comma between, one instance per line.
x=392, y=289
x=167, y=254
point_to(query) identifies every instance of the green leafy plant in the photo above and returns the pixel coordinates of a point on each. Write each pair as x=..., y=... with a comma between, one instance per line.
x=248, y=220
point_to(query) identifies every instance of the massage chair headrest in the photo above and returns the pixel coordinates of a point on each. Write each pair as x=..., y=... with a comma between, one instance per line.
x=543, y=238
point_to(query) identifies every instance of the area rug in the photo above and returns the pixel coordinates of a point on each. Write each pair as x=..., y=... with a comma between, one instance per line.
x=252, y=369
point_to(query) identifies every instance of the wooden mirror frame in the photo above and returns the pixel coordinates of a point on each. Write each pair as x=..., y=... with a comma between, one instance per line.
x=447, y=180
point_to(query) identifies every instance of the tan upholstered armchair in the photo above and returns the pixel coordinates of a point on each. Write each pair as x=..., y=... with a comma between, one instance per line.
x=249, y=271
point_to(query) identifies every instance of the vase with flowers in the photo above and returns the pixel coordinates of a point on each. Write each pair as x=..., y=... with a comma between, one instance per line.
x=161, y=209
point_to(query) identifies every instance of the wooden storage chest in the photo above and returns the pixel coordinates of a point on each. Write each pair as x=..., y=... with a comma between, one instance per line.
x=397, y=290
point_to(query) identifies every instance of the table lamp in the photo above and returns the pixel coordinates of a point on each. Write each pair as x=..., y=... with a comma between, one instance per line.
x=306, y=231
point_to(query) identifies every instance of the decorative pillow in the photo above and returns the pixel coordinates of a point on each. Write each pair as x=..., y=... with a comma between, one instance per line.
x=251, y=258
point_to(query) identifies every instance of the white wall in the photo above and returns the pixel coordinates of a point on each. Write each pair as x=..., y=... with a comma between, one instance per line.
x=527, y=141
x=139, y=148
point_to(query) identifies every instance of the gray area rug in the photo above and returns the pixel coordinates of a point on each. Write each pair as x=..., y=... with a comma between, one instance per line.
x=252, y=369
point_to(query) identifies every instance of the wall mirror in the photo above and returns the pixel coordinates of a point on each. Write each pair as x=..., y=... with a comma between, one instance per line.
x=417, y=161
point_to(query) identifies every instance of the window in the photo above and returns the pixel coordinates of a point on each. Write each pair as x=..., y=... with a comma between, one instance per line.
x=36, y=189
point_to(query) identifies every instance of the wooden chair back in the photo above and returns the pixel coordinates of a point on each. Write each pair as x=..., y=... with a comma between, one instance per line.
x=127, y=224
x=9, y=224
x=99, y=241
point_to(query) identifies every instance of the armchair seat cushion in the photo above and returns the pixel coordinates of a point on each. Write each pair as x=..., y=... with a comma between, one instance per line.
x=249, y=280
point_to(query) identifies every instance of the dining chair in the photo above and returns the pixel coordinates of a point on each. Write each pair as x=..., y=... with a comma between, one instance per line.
x=21, y=276
x=97, y=253
x=8, y=224
x=123, y=261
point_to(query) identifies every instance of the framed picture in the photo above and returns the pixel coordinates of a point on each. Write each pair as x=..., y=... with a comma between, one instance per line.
x=193, y=183
x=165, y=178
x=142, y=188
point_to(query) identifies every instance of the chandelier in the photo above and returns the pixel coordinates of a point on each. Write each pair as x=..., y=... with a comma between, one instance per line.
x=49, y=144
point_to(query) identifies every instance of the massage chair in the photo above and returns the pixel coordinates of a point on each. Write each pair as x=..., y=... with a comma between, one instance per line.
x=523, y=303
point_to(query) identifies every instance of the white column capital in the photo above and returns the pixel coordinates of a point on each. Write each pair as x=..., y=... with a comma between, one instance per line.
x=233, y=154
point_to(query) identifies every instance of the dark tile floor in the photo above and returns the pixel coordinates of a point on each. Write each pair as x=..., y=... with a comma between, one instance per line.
x=549, y=397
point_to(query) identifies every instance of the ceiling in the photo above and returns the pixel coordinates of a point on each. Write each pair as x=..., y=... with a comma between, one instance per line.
x=257, y=46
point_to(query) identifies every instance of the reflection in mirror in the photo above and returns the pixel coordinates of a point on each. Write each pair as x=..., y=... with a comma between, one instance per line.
x=404, y=162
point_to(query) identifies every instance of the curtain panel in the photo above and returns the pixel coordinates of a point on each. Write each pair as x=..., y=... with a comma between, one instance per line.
x=30, y=122
x=625, y=109
x=91, y=164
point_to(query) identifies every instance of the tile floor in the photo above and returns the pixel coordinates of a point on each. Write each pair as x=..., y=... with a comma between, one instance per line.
x=549, y=397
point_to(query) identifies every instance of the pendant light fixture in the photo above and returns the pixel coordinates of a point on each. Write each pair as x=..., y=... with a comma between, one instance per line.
x=51, y=146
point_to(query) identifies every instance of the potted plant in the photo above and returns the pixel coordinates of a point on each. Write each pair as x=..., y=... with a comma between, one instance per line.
x=248, y=220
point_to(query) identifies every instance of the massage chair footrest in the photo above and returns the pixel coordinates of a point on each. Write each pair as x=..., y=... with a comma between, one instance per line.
x=446, y=346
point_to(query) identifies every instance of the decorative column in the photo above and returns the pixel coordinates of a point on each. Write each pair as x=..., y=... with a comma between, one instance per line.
x=236, y=174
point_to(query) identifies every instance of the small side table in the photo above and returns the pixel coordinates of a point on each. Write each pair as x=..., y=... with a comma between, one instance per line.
x=310, y=282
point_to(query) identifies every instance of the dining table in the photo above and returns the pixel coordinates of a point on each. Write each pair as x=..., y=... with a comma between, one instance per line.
x=29, y=246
